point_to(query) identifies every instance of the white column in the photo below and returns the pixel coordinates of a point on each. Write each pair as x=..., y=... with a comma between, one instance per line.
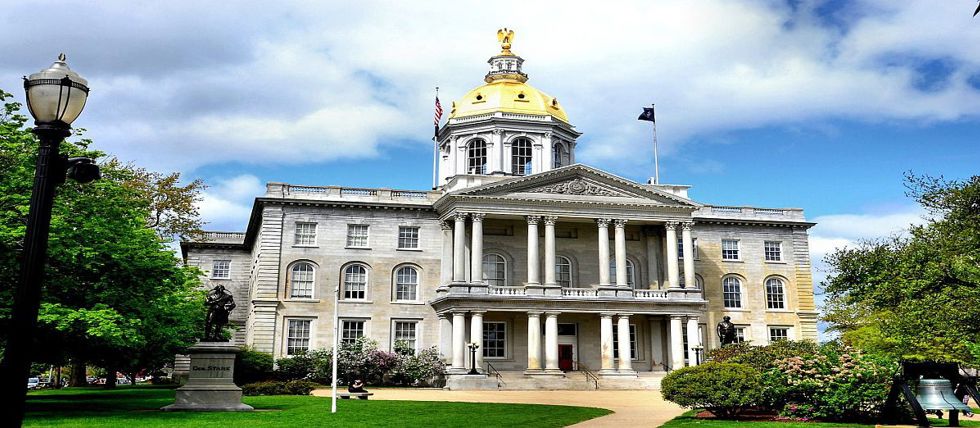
x=445, y=337
x=673, y=276
x=533, y=260
x=676, y=342
x=625, y=362
x=653, y=266
x=534, y=341
x=606, y=342
x=476, y=336
x=603, y=224
x=459, y=248
x=620, y=252
x=476, y=248
x=688, y=243
x=446, y=265
x=549, y=250
x=693, y=340
x=551, y=341
x=459, y=340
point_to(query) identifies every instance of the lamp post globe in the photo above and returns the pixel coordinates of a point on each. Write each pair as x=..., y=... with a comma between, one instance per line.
x=56, y=97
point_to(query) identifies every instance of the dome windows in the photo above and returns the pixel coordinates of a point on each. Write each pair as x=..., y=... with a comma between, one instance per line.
x=476, y=157
x=521, y=156
x=479, y=97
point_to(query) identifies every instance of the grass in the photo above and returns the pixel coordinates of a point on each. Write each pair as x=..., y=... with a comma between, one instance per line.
x=687, y=420
x=138, y=407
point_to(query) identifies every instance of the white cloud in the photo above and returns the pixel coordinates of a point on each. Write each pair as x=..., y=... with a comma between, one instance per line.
x=299, y=82
x=227, y=205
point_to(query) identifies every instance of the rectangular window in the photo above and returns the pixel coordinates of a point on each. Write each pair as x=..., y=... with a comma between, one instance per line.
x=774, y=251
x=633, y=350
x=357, y=235
x=305, y=233
x=350, y=331
x=297, y=337
x=778, y=333
x=739, y=334
x=221, y=269
x=408, y=237
x=729, y=249
x=404, y=331
x=680, y=247
x=494, y=339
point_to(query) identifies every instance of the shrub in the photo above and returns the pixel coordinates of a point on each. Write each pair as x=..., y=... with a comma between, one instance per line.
x=293, y=387
x=294, y=367
x=763, y=358
x=252, y=366
x=724, y=389
x=363, y=360
x=421, y=369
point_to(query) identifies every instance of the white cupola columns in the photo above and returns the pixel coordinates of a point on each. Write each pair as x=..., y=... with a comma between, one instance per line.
x=673, y=274
x=459, y=248
x=620, y=253
x=533, y=264
x=688, y=245
x=603, y=224
x=476, y=247
x=549, y=250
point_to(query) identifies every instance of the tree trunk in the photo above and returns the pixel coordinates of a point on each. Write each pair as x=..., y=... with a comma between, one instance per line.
x=77, y=377
x=110, y=377
x=132, y=378
x=57, y=378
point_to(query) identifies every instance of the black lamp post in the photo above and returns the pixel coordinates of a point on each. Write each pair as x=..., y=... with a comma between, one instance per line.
x=473, y=347
x=55, y=97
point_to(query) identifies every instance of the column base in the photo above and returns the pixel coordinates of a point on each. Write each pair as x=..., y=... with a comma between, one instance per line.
x=454, y=371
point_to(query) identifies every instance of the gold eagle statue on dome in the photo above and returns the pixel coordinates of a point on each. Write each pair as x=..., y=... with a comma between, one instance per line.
x=505, y=37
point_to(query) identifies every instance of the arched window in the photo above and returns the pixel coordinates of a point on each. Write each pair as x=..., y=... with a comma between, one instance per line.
x=630, y=273
x=698, y=282
x=301, y=280
x=476, y=157
x=731, y=288
x=355, y=282
x=560, y=153
x=521, y=156
x=563, y=271
x=775, y=297
x=407, y=284
x=494, y=269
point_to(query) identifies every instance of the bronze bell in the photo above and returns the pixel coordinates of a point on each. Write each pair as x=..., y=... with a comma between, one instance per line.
x=937, y=394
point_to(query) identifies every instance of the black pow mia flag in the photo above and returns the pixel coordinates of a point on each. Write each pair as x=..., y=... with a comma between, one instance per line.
x=647, y=115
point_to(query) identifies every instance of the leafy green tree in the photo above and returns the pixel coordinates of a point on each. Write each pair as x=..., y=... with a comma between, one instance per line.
x=917, y=296
x=114, y=293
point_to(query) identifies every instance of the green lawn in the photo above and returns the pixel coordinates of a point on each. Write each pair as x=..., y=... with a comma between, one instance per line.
x=688, y=420
x=137, y=407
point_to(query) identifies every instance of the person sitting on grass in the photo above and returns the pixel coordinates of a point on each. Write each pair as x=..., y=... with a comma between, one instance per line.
x=357, y=386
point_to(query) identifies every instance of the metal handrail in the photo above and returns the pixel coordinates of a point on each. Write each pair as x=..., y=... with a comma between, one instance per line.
x=589, y=374
x=491, y=370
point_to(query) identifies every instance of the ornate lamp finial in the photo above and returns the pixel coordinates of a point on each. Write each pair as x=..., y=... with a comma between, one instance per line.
x=505, y=37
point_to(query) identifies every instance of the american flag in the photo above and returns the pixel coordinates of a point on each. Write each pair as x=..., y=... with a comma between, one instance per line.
x=438, y=115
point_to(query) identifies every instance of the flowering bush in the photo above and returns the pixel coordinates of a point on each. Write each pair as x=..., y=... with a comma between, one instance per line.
x=724, y=389
x=363, y=360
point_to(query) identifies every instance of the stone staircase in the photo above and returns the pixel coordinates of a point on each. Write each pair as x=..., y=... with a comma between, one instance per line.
x=578, y=381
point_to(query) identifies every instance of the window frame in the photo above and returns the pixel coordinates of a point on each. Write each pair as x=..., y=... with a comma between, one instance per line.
x=694, y=248
x=289, y=336
x=345, y=284
x=740, y=334
x=297, y=241
x=397, y=283
x=634, y=342
x=773, y=328
x=472, y=157
x=737, y=250
x=771, y=296
x=630, y=272
x=778, y=251
x=344, y=330
x=417, y=238
x=353, y=234
x=416, y=332
x=291, y=283
x=737, y=294
x=504, y=349
x=226, y=269
x=522, y=148
x=501, y=261
x=558, y=271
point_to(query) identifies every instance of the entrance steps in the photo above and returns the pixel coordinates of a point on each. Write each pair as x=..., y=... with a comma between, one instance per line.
x=578, y=381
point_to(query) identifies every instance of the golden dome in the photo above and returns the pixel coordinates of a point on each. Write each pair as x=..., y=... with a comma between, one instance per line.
x=507, y=89
x=508, y=96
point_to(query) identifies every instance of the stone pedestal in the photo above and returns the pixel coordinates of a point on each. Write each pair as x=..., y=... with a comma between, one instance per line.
x=210, y=386
x=468, y=382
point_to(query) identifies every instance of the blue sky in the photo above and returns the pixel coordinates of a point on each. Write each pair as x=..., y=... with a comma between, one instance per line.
x=815, y=104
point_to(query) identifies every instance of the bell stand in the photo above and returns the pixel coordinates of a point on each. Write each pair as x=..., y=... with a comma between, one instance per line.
x=962, y=385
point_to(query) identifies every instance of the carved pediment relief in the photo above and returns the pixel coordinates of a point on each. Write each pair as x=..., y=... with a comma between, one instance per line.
x=578, y=186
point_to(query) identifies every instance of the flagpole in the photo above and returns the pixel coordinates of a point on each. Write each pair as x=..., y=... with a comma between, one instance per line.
x=435, y=150
x=656, y=154
x=336, y=344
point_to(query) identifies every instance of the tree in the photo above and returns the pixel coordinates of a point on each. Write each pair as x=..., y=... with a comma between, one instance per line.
x=114, y=293
x=915, y=296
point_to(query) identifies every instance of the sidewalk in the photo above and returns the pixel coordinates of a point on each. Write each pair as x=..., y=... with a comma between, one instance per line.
x=631, y=408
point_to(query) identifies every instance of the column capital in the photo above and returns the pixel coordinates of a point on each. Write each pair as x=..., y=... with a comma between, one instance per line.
x=534, y=314
x=693, y=318
x=477, y=217
x=533, y=219
x=552, y=314
x=549, y=220
x=443, y=315
x=445, y=225
x=688, y=225
x=678, y=317
x=606, y=315
x=620, y=223
x=603, y=222
x=670, y=225
x=477, y=312
x=621, y=316
x=461, y=216
x=459, y=313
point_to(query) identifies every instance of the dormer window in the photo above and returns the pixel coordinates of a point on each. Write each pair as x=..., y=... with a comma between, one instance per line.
x=476, y=157
x=521, y=156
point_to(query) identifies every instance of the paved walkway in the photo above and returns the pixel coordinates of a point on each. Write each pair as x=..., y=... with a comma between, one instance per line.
x=631, y=408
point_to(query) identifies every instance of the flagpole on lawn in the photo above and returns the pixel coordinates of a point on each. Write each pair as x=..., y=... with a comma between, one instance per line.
x=336, y=343
x=656, y=155
x=435, y=142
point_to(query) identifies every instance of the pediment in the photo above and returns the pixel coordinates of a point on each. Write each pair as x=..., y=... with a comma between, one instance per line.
x=578, y=183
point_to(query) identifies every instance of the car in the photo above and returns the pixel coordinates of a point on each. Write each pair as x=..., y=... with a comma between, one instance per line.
x=33, y=382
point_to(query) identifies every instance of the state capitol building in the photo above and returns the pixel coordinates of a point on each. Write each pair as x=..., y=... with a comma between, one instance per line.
x=551, y=266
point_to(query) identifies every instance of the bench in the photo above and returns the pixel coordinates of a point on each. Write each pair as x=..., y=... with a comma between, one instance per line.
x=359, y=395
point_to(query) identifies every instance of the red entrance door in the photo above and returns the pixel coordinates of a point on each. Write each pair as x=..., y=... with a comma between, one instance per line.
x=565, y=357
